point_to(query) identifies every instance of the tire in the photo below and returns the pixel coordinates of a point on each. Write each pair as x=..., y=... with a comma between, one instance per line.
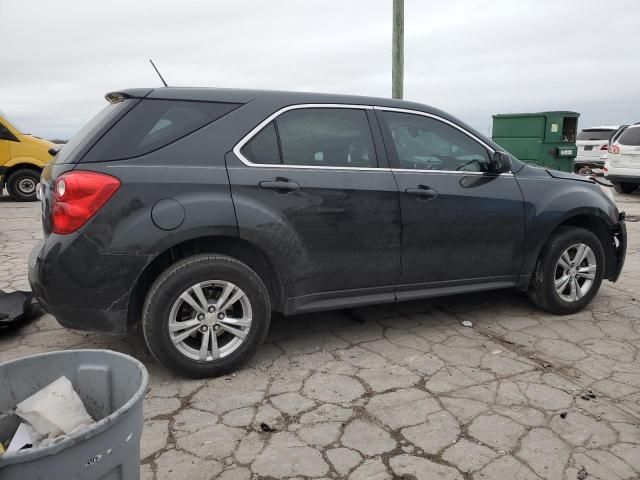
x=624, y=187
x=542, y=290
x=22, y=184
x=213, y=273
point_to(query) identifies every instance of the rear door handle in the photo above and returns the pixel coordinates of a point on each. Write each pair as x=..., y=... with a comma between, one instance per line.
x=422, y=191
x=280, y=185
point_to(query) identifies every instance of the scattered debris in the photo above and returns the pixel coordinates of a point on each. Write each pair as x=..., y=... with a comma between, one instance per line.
x=588, y=395
x=266, y=428
x=563, y=415
x=496, y=352
x=582, y=473
x=502, y=452
x=467, y=323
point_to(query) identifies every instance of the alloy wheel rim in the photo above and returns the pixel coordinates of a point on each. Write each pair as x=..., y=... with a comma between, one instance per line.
x=575, y=272
x=210, y=320
x=27, y=186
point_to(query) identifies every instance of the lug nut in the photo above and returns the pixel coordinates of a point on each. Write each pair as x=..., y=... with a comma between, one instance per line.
x=203, y=328
x=212, y=309
x=201, y=317
x=221, y=316
x=216, y=327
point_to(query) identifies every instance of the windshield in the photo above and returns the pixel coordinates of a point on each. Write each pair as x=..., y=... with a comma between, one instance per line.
x=596, y=134
x=86, y=133
x=11, y=122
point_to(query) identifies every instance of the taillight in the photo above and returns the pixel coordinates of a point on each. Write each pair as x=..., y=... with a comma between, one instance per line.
x=77, y=196
x=604, y=147
x=614, y=148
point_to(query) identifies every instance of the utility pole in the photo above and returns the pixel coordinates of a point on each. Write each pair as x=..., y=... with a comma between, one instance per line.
x=397, y=69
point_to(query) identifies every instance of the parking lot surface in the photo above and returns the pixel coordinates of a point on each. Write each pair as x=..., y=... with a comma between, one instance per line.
x=400, y=391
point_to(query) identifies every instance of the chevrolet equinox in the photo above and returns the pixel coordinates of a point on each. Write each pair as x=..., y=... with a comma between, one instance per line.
x=198, y=212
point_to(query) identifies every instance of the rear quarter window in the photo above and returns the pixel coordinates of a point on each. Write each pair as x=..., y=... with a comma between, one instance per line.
x=153, y=124
x=90, y=130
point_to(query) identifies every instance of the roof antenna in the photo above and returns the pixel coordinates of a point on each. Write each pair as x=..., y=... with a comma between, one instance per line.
x=156, y=69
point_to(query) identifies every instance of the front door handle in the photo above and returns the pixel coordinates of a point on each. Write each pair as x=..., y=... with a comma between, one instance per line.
x=280, y=185
x=422, y=191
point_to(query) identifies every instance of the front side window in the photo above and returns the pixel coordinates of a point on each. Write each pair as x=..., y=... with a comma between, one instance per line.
x=424, y=143
x=322, y=137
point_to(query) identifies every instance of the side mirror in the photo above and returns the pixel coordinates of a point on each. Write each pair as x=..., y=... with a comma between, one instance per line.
x=501, y=162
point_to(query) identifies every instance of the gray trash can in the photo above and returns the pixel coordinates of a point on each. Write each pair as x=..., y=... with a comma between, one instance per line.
x=111, y=385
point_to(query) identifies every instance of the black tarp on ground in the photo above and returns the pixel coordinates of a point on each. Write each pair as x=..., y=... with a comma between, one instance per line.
x=17, y=307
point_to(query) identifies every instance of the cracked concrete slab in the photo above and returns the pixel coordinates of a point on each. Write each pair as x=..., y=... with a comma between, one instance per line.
x=391, y=391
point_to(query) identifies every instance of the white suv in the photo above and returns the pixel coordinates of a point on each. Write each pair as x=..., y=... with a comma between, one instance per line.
x=622, y=167
x=592, y=145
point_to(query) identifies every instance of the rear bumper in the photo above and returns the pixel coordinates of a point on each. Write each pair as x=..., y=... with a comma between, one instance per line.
x=596, y=160
x=613, y=178
x=81, y=287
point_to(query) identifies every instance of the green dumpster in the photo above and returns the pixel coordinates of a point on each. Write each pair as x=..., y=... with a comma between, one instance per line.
x=547, y=139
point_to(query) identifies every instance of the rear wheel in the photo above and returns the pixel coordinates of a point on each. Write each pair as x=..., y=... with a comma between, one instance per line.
x=206, y=315
x=624, y=187
x=569, y=271
x=22, y=184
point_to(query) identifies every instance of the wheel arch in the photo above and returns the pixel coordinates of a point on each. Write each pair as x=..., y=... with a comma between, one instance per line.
x=20, y=166
x=234, y=247
x=594, y=223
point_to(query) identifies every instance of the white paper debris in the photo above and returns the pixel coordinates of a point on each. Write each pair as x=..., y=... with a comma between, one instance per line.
x=496, y=352
x=467, y=323
x=54, y=410
x=25, y=435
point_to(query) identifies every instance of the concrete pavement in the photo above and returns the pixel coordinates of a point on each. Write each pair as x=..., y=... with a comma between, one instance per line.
x=382, y=392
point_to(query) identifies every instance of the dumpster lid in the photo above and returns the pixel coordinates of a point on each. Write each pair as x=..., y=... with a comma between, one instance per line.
x=551, y=113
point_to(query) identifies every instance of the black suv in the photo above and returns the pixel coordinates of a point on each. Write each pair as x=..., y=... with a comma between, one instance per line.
x=200, y=211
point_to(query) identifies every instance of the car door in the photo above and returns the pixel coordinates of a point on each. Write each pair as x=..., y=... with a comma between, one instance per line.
x=312, y=187
x=462, y=224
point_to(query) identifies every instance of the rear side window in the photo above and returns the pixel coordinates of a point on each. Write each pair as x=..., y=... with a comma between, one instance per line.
x=320, y=137
x=631, y=136
x=82, y=138
x=595, y=134
x=153, y=124
x=263, y=148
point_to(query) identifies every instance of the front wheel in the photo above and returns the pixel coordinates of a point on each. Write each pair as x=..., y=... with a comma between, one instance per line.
x=624, y=187
x=206, y=315
x=22, y=184
x=569, y=271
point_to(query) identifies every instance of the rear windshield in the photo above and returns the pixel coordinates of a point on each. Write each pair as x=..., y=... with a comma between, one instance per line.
x=631, y=136
x=595, y=134
x=86, y=133
x=153, y=124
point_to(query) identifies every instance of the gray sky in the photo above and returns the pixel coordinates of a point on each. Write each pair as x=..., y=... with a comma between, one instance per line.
x=472, y=58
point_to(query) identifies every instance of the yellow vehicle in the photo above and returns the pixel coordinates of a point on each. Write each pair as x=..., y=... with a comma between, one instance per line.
x=22, y=158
